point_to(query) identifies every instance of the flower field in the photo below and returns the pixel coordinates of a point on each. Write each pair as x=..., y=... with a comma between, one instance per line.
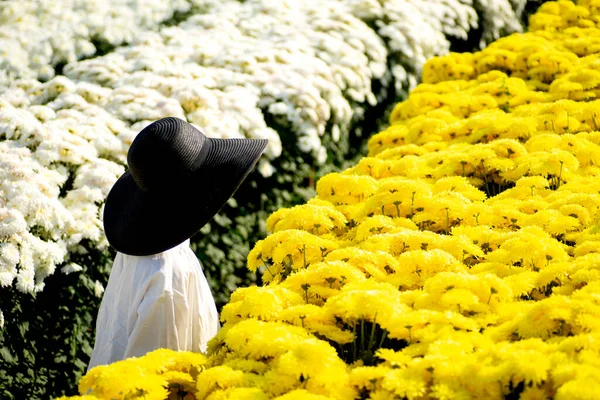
x=68, y=112
x=458, y=260
x=79, y=80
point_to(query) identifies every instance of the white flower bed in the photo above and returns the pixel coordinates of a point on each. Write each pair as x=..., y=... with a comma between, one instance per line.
x=302, y=62
x=309, y=66
x=48, y=134
x=36, y=35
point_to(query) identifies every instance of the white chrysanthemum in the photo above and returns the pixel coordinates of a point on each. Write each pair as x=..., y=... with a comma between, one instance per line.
x=98, y=289
x=9, y=258
x=26, y=279
x=11, y=223
x=70, y=268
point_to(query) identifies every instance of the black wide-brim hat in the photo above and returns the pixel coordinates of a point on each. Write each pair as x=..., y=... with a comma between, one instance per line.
x=178, y=179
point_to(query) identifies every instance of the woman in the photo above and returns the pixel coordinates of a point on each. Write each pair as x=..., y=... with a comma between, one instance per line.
x=157, y=295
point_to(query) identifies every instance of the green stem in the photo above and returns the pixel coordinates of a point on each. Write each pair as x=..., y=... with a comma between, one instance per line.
x=354, y=342
x=265, y=265
x=373, y=328
x=559, y=175
x=304, y=254
x=362, y=334
x=383, y=337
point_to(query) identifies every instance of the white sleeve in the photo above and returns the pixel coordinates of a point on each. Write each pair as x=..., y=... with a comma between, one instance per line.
x=161, y=318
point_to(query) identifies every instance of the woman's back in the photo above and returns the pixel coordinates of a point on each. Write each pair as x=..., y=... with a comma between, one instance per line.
x=156, y=301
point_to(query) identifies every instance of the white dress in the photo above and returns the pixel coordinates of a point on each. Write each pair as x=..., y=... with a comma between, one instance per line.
x=157, y=301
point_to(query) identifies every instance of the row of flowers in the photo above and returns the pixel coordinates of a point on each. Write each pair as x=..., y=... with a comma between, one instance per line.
x=37, y=37
x=63, y=141
x=226, y=65
x=439, y=267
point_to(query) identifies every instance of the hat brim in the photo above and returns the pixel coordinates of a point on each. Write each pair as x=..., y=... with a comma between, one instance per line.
x=142, y=223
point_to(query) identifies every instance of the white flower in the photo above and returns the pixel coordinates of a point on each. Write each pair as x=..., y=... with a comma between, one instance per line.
x=26, y=281
x=98, y=289
x=71, y=267
x=9, y=256
x=265, y=168
x=11, y=223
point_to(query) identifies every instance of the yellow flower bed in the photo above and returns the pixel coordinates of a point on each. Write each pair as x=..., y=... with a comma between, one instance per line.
x=459, y=260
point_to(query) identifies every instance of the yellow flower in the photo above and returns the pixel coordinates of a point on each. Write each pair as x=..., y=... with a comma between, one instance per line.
x=180, y=381
x=374, y=263
x=529, y=247
x=587, y=247
x=397, y=197
x=258, y=340
x=521, y=283
x=189, y=362
x=552, y=221
x=286, y=251
x=237, y=393
x=487, y=289
x=399, y=152
x=451, y=66
x=584, y=388
x=345, y=189
x=262, y=302
x=302, y=394
x=460, y=185
x=535, y=393
x=379, y=224
x=408, y=383
x=219, y=377
x=416, y=266
x=126, y=377
x=317, y=320
x=444, y=391
x=389, y=138
x=318, y=219
x=245, y=365
x=547, y=317
x=406, y=240
x=322, y=280
x=369, y=300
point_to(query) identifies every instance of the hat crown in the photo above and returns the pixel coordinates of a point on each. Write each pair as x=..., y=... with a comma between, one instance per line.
x=163, y=153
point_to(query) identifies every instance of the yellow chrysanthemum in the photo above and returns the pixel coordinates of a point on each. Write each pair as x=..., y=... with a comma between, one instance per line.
x=302, y=394
x=322, y=280
x=345, y=189
x=180, y=381
x=318, y=219
x=236, y=393
x=262, y=302
x=219, y=377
